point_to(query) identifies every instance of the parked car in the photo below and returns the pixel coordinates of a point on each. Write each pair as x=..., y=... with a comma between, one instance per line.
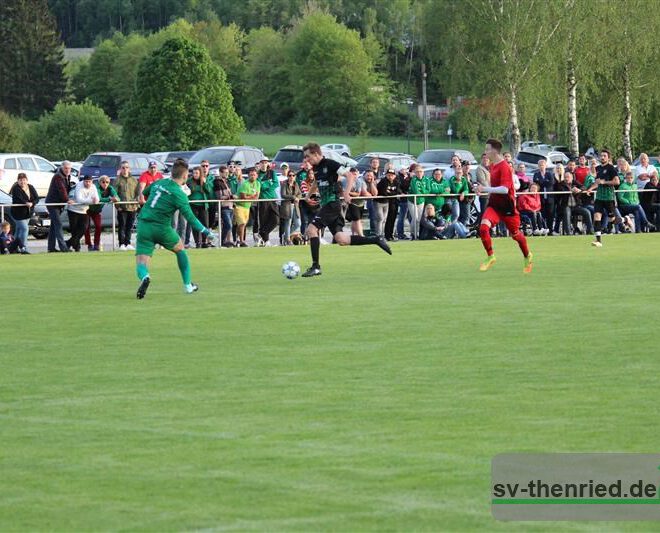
x=108, y=163
x=398, y=159
x=38, y=170
x=169, y=157
x=441, y=158
x=653, y=160
x=532, y=156
x=245, y=156
x=75, y=167
x=529, y=144
x=340, y=158
x=342, y=149
x=291, y=154
x=39, y=223
x=5, y=215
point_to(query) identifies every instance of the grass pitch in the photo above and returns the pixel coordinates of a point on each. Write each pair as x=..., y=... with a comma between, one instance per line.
x=370, y=398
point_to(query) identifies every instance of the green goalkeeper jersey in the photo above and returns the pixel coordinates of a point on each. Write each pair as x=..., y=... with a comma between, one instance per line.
x=164, y=198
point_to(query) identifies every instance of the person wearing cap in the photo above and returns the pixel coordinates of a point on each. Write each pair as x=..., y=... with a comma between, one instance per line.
x=147, y=178
x=268, y=211
x=84, y=195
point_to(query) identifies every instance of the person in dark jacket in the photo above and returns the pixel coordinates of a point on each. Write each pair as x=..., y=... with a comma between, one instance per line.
x=546, y=180
x=387, y=187
x=22, y=193
x=58, y=193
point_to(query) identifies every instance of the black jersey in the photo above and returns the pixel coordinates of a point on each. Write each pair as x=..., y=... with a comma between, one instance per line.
x=327, y=179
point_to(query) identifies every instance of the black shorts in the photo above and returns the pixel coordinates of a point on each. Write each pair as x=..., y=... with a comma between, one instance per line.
x=354, y=212
x=605, y=205
x=329, y=216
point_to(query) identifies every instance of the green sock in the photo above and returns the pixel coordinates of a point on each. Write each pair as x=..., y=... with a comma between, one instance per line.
x=184, y=266
x=141, y=270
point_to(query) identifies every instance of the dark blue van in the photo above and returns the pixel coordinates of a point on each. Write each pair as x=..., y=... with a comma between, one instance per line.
x=108, y=163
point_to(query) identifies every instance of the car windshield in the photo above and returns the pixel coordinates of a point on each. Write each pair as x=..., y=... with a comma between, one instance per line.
x=173, y=156
x=436, y=156
x=215, y=156
x=290, y=156
x=105, y=161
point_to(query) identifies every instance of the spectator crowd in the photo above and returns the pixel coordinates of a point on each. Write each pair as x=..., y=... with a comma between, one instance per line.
x=270, y=200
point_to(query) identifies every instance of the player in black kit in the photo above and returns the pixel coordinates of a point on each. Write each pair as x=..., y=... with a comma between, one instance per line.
x=327, y=172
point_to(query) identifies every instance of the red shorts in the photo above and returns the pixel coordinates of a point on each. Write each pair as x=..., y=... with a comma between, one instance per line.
x=512, y=222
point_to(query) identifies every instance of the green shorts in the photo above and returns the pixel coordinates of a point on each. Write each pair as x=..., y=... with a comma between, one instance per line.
x=149, y=235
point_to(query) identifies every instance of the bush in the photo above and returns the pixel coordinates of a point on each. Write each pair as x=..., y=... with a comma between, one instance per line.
x=181, y=101
x=72, y=131
x=12, y=132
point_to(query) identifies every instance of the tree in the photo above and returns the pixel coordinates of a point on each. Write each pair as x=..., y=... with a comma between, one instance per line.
x=99, y=76
x=498, y=51
x=72, y=131
x=12, y=132
x=268, y=93
x=31, y=61
x=333, y=79
x=181, y=101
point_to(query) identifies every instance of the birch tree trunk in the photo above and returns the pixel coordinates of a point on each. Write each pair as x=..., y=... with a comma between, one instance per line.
x=513, y=121
x=627, y=120
x=573, y=138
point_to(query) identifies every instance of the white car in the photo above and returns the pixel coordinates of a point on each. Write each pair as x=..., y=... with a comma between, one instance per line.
x=38, y=170
x=342, y=149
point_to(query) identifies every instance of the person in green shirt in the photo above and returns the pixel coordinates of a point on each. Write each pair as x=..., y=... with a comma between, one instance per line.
x=419, y=185
x=458, y=186
x=248, y=190
x=268, y=212
x=201, y=188
x=437, y=185
x=629, y=203
x=164, y=197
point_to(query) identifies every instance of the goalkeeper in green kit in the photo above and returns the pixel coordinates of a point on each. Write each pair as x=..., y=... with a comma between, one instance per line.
x=164, y=197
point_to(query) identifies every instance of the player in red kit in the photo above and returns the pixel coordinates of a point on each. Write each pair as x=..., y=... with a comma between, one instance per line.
x=501, y=206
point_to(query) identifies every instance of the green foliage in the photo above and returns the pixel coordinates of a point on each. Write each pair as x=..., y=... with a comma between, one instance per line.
x=181, y=101
x=12, y=132
x=479, y=119
x=31, y=58
x=71, y=131
x=97, y=80
x=333, y=79
x=268, y=88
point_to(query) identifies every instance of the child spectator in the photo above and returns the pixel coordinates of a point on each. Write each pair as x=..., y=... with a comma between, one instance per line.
x=529, y=206
x=8, y=244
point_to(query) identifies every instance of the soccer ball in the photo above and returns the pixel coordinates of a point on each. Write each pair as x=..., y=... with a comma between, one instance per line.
x=291, y=270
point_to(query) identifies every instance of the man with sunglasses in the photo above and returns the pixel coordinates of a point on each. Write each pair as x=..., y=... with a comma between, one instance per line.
x=327, y=185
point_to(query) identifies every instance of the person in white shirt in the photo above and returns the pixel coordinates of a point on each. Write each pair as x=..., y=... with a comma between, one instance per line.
x=644, y=171
x=84, y=195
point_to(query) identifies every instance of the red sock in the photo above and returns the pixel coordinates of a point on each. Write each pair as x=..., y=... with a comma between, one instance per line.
x=484, y=233
x=519, y=237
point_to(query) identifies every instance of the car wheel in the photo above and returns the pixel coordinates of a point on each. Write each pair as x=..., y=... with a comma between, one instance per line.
x=39, y=234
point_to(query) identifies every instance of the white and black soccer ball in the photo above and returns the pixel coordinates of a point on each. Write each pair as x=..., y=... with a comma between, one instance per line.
x=291, y=270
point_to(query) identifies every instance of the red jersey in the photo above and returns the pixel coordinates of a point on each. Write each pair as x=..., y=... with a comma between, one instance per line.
x=501, y=174
x=148, y=179
x=581, y=174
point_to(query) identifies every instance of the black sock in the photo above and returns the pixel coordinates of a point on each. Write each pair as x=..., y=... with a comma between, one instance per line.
x=597, y=226
x=358, y=240
x=315, y=244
